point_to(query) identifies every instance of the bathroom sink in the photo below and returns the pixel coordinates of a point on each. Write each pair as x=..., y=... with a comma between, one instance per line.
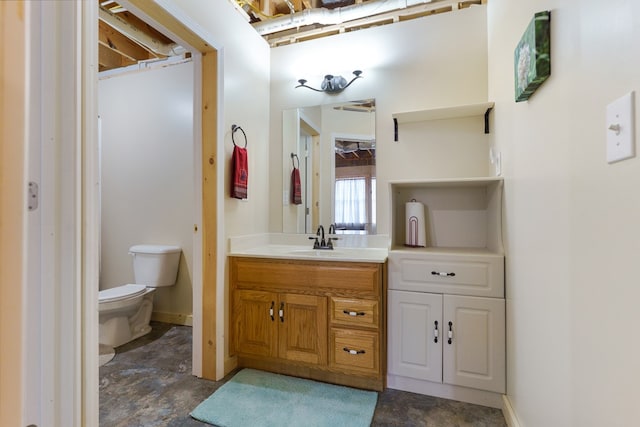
x=347, y=254
x=320, y=253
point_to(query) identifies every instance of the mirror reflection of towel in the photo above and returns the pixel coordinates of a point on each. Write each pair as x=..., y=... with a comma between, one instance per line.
x=296, y=187
x=239, y=173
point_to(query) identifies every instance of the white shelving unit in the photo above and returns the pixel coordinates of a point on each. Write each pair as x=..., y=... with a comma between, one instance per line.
x=446, y=300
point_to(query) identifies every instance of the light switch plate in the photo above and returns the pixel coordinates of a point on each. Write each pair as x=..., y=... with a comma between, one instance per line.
x=621, y=129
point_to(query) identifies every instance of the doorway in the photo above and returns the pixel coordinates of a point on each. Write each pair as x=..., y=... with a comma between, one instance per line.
x=207, y=347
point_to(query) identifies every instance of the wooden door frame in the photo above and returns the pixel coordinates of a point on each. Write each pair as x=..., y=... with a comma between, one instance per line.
x=207, y=341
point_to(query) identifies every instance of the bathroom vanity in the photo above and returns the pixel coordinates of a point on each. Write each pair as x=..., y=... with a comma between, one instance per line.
x=314, y=315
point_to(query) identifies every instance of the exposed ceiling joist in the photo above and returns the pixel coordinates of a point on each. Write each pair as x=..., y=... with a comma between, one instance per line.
x=124, y=39
x=329, y=17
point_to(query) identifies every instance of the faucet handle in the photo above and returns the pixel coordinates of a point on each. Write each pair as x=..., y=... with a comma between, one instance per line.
x=316, y=244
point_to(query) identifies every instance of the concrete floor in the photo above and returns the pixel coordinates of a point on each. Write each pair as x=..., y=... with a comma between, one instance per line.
x=149, y=383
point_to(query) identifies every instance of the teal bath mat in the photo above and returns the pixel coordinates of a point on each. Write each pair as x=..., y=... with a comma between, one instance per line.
x=257, y=398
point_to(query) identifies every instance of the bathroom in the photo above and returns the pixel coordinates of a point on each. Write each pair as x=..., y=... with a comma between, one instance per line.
x=391, y=96
x=571, y=271
x=157, y=141
x=147, y=191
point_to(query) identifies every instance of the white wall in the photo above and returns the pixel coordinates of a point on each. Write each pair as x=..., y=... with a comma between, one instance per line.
x=429, y=62
x=244, y=62
x=571, y=219
x=147, y=175
x=245, y=59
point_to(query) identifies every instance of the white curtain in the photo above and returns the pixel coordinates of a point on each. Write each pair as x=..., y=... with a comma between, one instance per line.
x=351, y=201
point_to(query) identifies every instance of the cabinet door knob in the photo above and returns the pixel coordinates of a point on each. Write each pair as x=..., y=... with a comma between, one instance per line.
x=350, y=351
x=442, y=273
x=450, y=333
x=435, y=332
x=281, y=312
x=271, y=311
x=353, y=313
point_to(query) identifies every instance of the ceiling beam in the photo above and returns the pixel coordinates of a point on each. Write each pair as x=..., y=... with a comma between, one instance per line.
x=117, y=42
x=157, y=13
x=109, y=59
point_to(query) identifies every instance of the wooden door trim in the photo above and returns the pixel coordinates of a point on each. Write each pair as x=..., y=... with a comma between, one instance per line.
x=181, y=29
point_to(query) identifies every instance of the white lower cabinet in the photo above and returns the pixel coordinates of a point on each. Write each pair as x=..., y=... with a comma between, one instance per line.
x=451, y=339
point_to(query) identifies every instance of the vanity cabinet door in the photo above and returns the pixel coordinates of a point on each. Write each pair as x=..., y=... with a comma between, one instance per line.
x=475, y=356
x=303, y=328
x=255, y=322
x=415, y=335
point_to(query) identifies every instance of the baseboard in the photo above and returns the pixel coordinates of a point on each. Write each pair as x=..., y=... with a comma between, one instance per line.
x=447, y=391
x=509, y=413
x=173, y=318
x=230, y=363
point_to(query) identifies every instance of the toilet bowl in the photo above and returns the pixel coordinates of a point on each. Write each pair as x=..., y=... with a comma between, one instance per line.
x=125, y=311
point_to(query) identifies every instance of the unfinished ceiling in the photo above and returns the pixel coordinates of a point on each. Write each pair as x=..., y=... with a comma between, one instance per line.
x=125, y=39
x=290, y=21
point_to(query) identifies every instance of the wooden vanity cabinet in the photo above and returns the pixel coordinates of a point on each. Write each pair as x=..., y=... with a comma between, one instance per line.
x=287, y=326
x=322, y=320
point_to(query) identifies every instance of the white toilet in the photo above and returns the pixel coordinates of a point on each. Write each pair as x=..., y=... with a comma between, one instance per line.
x=125, y=311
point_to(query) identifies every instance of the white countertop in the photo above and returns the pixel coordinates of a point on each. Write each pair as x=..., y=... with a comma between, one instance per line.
x=263, y=248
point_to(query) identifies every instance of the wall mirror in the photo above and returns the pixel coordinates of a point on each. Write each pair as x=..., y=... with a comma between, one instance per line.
x=333, y=147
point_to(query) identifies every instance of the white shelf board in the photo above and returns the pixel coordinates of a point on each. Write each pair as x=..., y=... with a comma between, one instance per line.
x=444, y=113
x=446, y=182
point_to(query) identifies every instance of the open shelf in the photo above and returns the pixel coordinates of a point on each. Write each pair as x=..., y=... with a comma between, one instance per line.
x=468, y=110
x=461, y=215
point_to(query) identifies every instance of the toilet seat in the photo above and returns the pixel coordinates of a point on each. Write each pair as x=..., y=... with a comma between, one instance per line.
x=121, y=292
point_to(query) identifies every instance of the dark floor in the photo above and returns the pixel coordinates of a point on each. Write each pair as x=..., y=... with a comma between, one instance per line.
x=149, y=383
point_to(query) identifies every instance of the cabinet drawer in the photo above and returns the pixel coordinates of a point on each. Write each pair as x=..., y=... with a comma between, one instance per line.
x=354, y=312
x=462, y=274
x=307, y=276
x=355, y=350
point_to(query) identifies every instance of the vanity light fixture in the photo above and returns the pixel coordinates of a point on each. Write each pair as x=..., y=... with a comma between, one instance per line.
x=331, y=83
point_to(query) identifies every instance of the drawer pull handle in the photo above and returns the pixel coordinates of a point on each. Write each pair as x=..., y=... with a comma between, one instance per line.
x=353, y=313
x=281, y=312
x=450, y=333
x=348, y=350
x=442, y=273
x=271, y=311
x=435, y=332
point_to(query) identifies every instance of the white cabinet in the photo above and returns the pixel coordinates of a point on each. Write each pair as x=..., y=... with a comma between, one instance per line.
x=446, y=306
x=414, y=346
x=448, y=339
x=456, y=272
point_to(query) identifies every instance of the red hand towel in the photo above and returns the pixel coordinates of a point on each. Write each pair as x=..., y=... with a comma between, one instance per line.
x=296, y=187
x=239, y=173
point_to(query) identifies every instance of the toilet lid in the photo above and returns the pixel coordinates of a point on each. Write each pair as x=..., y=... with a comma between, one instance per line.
x=121, y=292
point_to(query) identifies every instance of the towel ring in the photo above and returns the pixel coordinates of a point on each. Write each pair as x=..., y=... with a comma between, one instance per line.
x=293, y=161
x=234, y=128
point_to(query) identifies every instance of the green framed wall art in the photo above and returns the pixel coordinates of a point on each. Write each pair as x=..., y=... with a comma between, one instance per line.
x=532, y=57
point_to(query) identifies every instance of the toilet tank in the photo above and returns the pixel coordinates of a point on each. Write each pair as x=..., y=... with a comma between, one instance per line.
x=155, y=265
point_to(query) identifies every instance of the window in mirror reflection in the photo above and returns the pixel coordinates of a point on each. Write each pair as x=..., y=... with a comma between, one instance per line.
x=354, y=198
x=355, y=187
